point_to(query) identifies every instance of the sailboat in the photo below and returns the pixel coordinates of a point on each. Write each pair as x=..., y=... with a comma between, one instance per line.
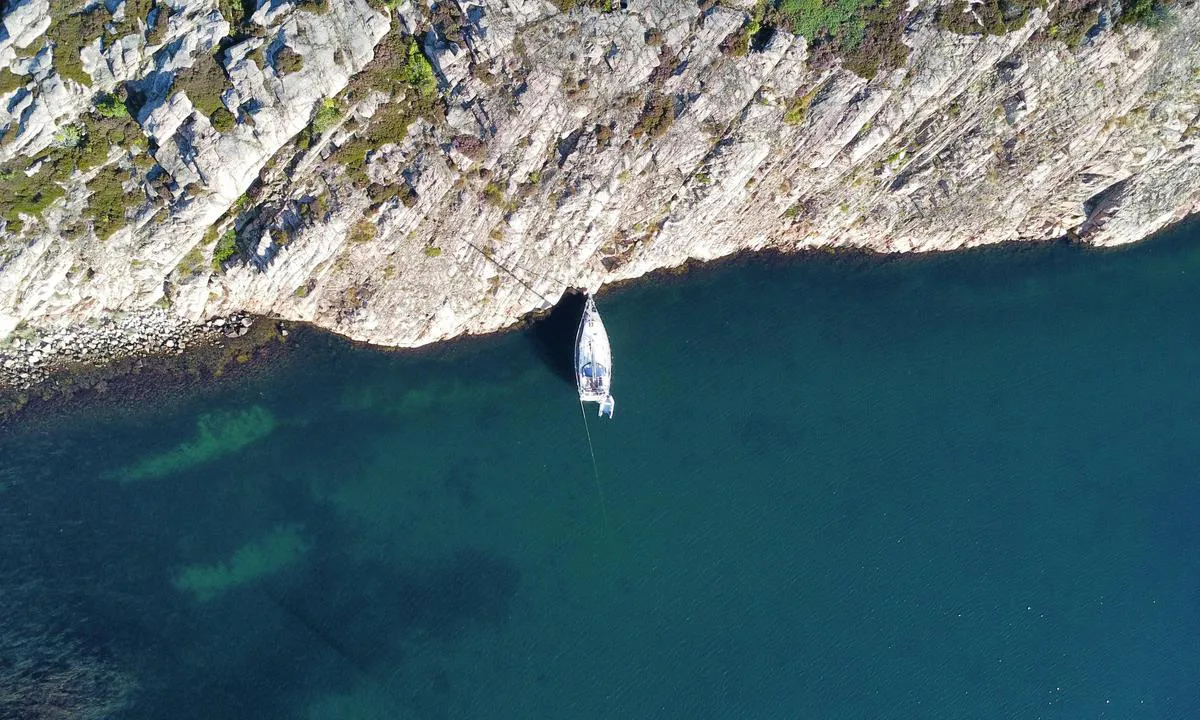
x=593, y=361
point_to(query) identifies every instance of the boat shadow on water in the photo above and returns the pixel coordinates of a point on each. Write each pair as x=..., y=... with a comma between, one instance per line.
x=553, y=335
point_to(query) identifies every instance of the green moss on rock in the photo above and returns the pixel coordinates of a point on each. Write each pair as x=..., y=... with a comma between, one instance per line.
x=797, y=108
x=1148, y=13
x=317, y=7
x=233, y=11
x=992, y=17
x=419, y=73
x=191, y=264
x=134, y=18
x=865, y=35
x=362, y=232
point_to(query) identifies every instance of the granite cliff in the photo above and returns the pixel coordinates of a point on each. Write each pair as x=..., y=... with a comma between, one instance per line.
x=405, y=173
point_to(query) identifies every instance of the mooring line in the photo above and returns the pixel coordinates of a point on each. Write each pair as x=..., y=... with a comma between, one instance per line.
x=595, y=471
x=511, y=274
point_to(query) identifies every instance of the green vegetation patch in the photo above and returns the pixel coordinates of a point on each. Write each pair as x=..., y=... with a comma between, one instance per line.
x=25, y=194
x=225, y=250
x=363, y=231
x=135, y=11
x=10, y=81
x=1148, y=13
x=68, y=136
x=1071, y=26
x=109, y=203
x=408, y=76
x=380, y=193
x=118, y=130
x=288, y=61
x=281, y=548
x=494, y=193
x=449, y=21
x=797, y=109
x=998, y=17
x=658, y=112
x=400, y=69
x=317, y=7
x=865, y=34
x=824, y=19
x=233, y=11
x=603, y=6
x=82, y=146
x=315, y=209
x=738, y=44
x=70, y=33
x=111, y=106
x=191, y=264
x=204, y=82
x=418, y=73
x=389, y=125
x=217, y=434
x=222, y=120
x=1070, y=20
x=158, y=32
x=328, y=113
x=71, y=30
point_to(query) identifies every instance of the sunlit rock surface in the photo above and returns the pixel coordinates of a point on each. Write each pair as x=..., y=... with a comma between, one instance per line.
x=544, y=172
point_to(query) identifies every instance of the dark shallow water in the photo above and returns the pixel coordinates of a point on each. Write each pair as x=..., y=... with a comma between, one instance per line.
x=947, y=487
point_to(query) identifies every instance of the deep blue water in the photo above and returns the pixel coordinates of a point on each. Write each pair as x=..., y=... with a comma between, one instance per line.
x=961, y=486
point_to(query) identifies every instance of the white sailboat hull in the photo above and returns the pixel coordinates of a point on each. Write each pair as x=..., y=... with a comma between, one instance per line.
x=593, y=361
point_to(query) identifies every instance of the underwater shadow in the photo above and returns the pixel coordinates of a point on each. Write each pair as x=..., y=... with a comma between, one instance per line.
x=553, y=335
x=368, y=611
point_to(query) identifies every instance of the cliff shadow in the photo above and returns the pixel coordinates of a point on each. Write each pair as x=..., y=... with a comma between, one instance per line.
x=553, y=335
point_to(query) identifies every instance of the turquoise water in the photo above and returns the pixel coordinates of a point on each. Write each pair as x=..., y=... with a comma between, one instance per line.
x=960, y=486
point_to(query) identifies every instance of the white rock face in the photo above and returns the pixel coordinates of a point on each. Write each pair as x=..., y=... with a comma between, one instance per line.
x=25, y=22
x=545, y=175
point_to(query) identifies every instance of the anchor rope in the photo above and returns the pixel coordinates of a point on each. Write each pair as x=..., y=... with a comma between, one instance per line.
x=595, y=470
x=514, y=276
x=582, y=411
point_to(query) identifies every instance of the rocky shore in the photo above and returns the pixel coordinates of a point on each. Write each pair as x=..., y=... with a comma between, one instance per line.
x=406, y=173
x=31, y=358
